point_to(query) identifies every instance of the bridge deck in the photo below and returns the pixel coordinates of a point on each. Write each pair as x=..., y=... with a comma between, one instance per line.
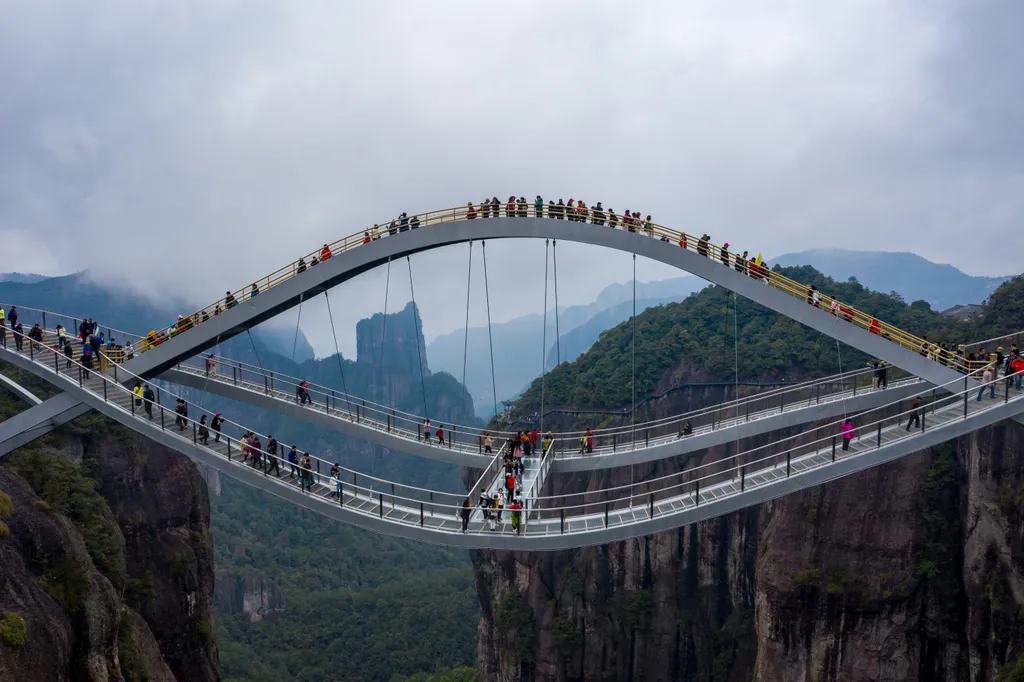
x=734, y=485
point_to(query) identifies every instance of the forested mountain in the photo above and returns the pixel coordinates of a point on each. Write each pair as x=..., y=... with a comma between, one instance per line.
x=701, y=332
x=906, y=568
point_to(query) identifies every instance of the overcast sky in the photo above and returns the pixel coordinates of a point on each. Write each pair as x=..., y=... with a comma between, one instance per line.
x=193, y=146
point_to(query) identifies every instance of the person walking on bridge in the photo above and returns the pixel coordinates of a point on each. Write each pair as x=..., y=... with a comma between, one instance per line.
x=440, y=435
x=293, y=462
x=307, y=473
x=271, y=458
x=216, y=423
x=204, y=432
x=181, y=409
x=987, y=377
x=847, y=433
x=137, y=394
x=147, y=396
x=464, y=513
x=325, y=253
x=538, y=207
x=915, y=411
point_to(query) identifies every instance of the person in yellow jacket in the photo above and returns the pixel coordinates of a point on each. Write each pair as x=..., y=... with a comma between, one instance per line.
x=137, y=391
x=2, y=314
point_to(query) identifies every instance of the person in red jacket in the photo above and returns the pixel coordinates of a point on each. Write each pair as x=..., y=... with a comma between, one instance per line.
x=510, y=484
x=440, y=434
x=325, y=253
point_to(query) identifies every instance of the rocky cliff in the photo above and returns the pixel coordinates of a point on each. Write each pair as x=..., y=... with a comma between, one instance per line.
x=106, y=560
x=908, y=571
x=903, y=572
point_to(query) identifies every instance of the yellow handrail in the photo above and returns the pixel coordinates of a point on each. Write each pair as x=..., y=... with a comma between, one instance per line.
x=954, y=360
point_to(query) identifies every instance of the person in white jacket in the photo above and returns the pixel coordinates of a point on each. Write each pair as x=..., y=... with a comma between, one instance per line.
x=987, y=378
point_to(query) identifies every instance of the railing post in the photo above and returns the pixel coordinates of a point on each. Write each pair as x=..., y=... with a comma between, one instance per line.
x=44, y=324
x=266, y=384
x=855, y=386
x=104, y=391
x=615, y=439
x=782, y=402
x=748, y=411
x=833, y=448
x=341, y=492
x=652, y=505
x=115, y=373
x=743, y=478
x=647, y=438
x=380, y=504
x=161, y=418
x=817, y=394
x=561, y=521
x=234, y=375
x=789, y=454
x=965, y=397
x=879, y=434
x=421, y=514
x=712, y=420
x=56, y=363
x=451, y=437
x=195, y=439
x=696, y=496
x=924, y=413
x=605, y=514
x=31, y=350
x=228, y=441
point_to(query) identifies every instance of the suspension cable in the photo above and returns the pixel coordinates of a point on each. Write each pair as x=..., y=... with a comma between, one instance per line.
x=256, y=352
x=383, y=329
x=842, y=389
x=632, y=413
x=416, y=321
x=298, y=319
x=544, y=337
x=736, y=361
x=337, y=352
x=558, y=334
x=632, y=347
x=490, y=338
x=469, y=282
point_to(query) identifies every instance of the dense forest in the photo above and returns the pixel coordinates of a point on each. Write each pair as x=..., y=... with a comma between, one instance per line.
x=718, y=332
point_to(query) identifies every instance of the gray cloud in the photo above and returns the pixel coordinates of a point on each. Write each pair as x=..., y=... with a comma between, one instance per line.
x=192, y=147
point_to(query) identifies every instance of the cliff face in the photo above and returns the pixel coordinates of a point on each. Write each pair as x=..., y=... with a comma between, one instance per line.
x=109, y=560
x=250, y=593
x=908, y=571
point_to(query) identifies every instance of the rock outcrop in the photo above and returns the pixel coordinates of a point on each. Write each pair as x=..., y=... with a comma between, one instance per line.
x=108, y=561
x=913, y=570
x=251, y=593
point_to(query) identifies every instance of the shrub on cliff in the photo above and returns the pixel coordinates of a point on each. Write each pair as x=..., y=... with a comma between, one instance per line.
x=13, y=632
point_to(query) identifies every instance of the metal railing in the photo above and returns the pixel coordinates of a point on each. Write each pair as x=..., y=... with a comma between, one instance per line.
x=439, y=511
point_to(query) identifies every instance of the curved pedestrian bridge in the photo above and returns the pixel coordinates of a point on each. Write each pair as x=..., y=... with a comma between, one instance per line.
x=596, y=517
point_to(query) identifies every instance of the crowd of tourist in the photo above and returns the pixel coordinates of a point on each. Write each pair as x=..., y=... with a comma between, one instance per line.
x=509, y=492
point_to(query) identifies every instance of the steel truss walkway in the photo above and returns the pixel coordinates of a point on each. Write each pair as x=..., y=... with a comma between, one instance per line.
x=703, y=492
